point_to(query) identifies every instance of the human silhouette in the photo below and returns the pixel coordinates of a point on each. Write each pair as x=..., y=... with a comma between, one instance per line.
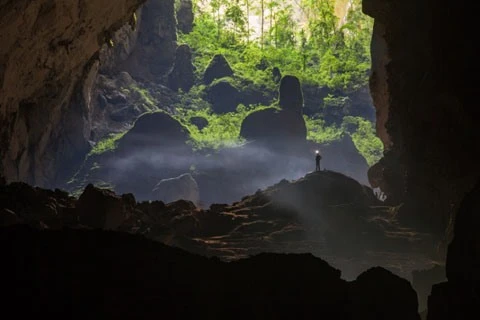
x=317, y=160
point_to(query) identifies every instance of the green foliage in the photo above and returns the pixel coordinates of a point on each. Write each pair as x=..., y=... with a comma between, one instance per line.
x=369, y=145
x=223, y=130
x=323, y=52
x=107, y=144
x=361, y=131
x=319, y=132
x=144, y=96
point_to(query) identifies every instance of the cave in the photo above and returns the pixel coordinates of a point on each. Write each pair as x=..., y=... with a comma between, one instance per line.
x=85, y=232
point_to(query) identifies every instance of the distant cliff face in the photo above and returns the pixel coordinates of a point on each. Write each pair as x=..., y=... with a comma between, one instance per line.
x=426, y=111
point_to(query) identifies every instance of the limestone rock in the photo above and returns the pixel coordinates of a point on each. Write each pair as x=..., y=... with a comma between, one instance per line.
x=343, y=156
x=217, y=68
x=182, y=74
x=183, y=187
x=154, y=51
x=285, y=126
x=273, y=125
x=185, y=16
x=392, y=296
x=101, y=208
x=63, y=40
x=290, y=94
x=153, y=130
x=223, y=96
x=199, y=122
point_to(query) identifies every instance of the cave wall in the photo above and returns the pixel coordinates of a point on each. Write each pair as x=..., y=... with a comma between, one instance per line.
x=48, y=58
x=426, y=110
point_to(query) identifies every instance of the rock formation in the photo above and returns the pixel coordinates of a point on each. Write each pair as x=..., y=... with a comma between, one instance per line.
x=185, y=16
x=426, y=107
x=286, y=126
x=223, y=96
x=325, y=212
x=400, y=303
x=43, y=124
x=182, y=74
x=101, y=208
x=290, y=95
x=343, y=156
x=459, y=297
x=199, y=122
x=154, y=51
x=217, y=68
x=111, y=274
x=183, y=187
x=154, y=130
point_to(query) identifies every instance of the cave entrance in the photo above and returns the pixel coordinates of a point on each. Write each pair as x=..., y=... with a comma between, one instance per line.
x=215, y=76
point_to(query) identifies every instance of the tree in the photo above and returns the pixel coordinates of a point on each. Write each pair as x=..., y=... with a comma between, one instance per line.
x=235, y=15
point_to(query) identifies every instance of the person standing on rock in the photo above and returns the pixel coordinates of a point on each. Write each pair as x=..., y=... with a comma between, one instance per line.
x=318, y=157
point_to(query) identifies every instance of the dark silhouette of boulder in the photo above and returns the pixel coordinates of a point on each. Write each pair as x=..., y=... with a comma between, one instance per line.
x=154, y=129
x=22, y=202
x=286, y=125
x=102, y=208
x=290, y=94
x=182, y=187
x=111, y=274
x=459, y=297
x=343, y=156
x=223, y=96
x=272, y=125
x=182, y=74
x=8, y=218
x=386, y=296
x=217, y=68
x=185, y=16
x=199, y=122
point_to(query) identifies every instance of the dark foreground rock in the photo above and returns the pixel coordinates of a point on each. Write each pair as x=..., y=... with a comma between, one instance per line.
x=460, y=296
x=324, y=213
x=79, y=274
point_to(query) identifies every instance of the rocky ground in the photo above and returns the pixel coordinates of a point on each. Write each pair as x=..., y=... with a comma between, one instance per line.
x=325, y=213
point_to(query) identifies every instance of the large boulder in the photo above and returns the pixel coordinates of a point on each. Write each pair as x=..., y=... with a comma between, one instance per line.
x=343, y=156
x=154, y=129
x=272, y=125
x=459, y=297
x=285, y=125
x=185, y=16
x=183, y=187
x=102, y=208
x=223, y=96
x=217, y=68
x=182, y=74
x=199, y=122
x=290, y=94
x=379, y=294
